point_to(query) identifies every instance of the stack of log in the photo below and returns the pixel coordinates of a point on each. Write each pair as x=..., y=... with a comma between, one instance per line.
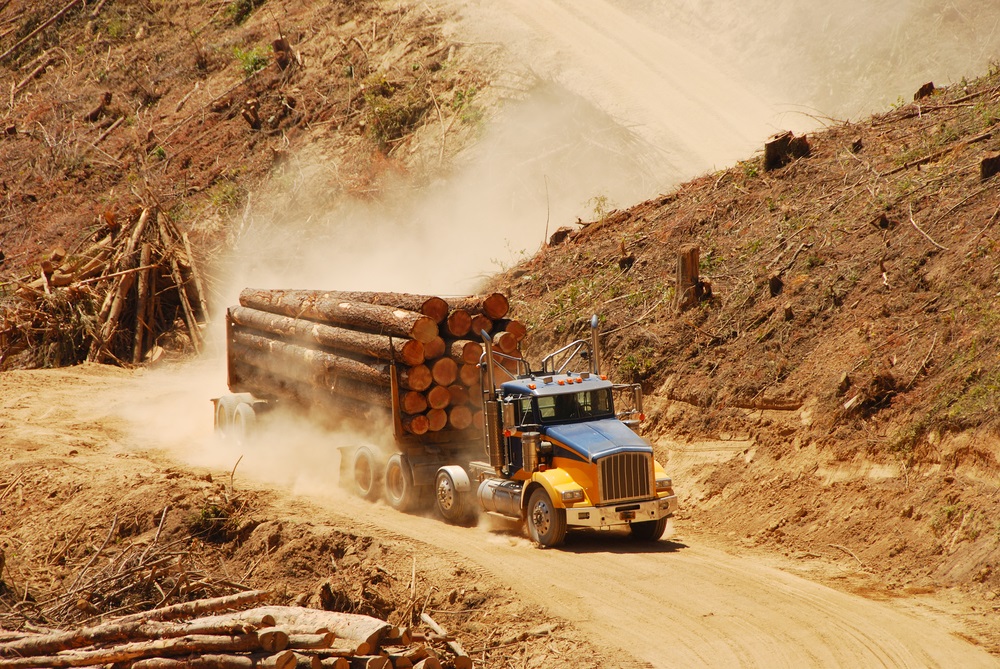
x=234, y=637
x=109, y=302
x=336, y=350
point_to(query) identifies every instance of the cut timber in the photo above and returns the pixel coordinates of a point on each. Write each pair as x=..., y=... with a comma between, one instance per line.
x=480, y=324
x=203, y=606
x=351, y=626
x=435, y=348
x=407, y=351
x=416, y=424
x=470, y=376
x=335, y=663
x=326, y=307
x=462, y=659
x=413, y=402
x=506, y=342
x=459, y=322
x=492, y=306
x=303, y=641
x=468, y=352
x=687, y=277
x=437, y=420
x=438, y=397
x=516, y=328
x=460, y=417
x=322, y=405
x=127, y=652
x=428, y=305
x=370, y=662
x=327, y=367
x=444, y=371
x=459, y=395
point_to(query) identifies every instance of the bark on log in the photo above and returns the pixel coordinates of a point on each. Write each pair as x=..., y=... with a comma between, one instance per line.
x=444, y=371
x=307, y=661
x=142, y=296
x=203, y=606
x=343, y=625
x=301, y=641
x=459, y=322
x=335, y=663
x=462, y=659
x=431, y=306
x=137, y=650
x=413, y=402
x=437, y=420
x=493, y=306
x=468, y=352
x=438, y=397
x=407, y=351
x=328, y=308
x=327, y=365
x=460, y=417
x=435, y=348
x=321, y=405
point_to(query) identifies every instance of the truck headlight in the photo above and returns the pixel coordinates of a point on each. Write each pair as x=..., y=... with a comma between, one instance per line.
x=664, y=485
x=569, y=496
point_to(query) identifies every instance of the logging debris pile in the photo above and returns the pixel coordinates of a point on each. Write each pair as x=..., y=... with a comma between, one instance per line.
x=108, y=301
x=280, y=637
x=310, y=346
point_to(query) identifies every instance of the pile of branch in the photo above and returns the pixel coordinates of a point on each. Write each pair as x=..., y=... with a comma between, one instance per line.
x=282, y=637
x=110, y=301
x=339, y=349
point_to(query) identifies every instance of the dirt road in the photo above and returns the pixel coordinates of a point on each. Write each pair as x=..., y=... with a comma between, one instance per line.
x=674, y=604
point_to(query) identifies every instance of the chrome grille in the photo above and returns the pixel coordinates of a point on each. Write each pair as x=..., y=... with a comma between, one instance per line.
x=625, y=476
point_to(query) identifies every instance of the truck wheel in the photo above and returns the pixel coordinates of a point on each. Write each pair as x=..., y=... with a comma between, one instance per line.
x=225, y=410
x=546, y=523
x=399, y=490
x=243, y=423
x=451, y=503
x=648, y=530
x=367, y=474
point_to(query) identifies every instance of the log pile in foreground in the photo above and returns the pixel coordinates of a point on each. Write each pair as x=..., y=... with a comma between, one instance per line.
x=337, y=348
x=107, y=302
x=221, y=633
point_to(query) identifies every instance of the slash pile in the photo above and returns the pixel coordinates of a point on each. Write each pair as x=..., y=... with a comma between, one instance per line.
x=352, y=351
x=108, y=302
x=281, y=637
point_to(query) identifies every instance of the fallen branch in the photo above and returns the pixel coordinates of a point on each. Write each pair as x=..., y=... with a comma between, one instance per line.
x=943, y=248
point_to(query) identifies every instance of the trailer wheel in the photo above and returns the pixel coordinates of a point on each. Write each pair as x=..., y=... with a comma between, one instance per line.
x=243, y=423
x=451, y=503
x=648, y=530
x=367, y=474
x=225, y=410
x=546, y=523
x=399, y=489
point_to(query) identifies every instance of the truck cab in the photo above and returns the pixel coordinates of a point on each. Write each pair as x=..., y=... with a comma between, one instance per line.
x=560, y=455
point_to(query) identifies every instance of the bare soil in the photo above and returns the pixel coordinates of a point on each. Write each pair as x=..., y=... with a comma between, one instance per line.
x=828, y=413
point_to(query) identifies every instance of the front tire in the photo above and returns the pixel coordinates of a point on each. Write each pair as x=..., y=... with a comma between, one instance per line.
x=546, y=523
x=648, y=530
x=451, y=503
x=367, y=474
x=399, y=490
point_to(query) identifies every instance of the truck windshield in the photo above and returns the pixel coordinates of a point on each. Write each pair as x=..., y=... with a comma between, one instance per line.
x=586, y=404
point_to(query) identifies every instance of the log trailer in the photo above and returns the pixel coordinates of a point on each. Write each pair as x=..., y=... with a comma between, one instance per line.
x=552, y=451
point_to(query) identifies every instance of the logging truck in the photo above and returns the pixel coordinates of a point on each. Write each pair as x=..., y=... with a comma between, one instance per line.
x=542, y=446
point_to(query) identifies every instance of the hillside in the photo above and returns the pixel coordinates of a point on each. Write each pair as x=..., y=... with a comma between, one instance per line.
x=848, y=347
x=830, y=404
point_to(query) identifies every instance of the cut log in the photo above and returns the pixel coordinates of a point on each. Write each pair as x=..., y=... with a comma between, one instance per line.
x=431, y=306
x=142, y=295
x=197, y=662
x=468, y=352
x=462, y=659
x=407, y=351
x=459, y=395
x=203, y=606
x=335, y=663
x=310, y=641
x=493, y=306
x=435, y=348
x=460, y=417
x=438, y=397
x=480, y=324
x=478, y=419
x=505, y=342
x=327, y=307
x=417, y=425
x=470, y=376
x=437, y=420
x=428, y=663
x=327, y=367
x=273, y=639
x=370, y=662
x=444, y=371
x=303, y=661
x=459, y=322
x=516, y=328
x=413, y=402
x=137, y=650
x=351, y=626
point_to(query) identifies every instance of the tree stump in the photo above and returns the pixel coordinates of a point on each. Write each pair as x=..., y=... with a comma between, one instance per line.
x=687, y=277
x=781, y=148
x=989, y=166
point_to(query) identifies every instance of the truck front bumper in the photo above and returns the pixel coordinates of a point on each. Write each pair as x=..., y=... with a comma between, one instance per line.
x=618, y=515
